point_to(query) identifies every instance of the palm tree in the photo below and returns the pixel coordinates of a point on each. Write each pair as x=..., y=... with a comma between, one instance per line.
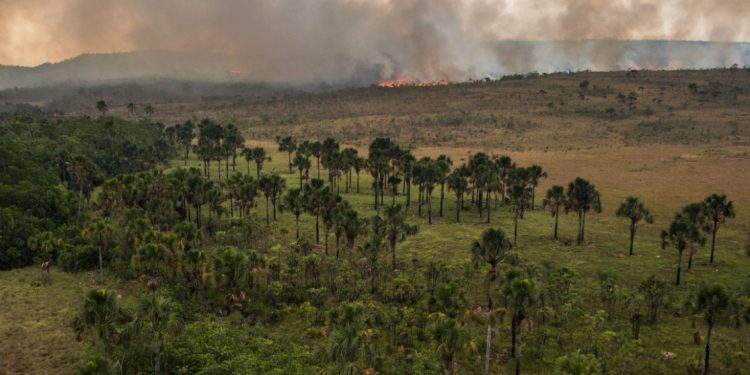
x=491, y=249
x=695, y=213
x=353, y=226
x=505, y=167
x=518, y=292
x=444, y=164
x=711, y=300
x=519, y=196
x=396, y=228
x=288, y=145
x=295, y=201
x=450, y=338
x=458, y=184
x=316, y=195
x=156, y=316
x=718, y=209
x=636, y=211
x=535, y=174
x=315, y=149
x=582, y=198
x=554, y=201
x=100, y=313
x=98, y=233
x=302, y=163
x=185, y=136
x=680, y=233
x=371, y=249
x=102, y=107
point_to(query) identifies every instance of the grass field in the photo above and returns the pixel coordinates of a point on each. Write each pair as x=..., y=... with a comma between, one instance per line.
x=669, y=152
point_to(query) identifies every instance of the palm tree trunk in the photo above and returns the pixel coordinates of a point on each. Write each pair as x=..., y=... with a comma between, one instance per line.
x=713, y=240
x=317, y=228
x=429, y=206
x=515, y=228
x=317, y=161
x=489, y=205
x=290, y=161
x=326, y=235
x=487, y=350
x=408, y=192
x=393, y=252
x=357, y=180
x=632, y=237
x=442, y=197
x=583, y=227
x=268, y=217
x=679, y=268
x=458, y=209
x=557, y=218
x=297, y=220
x=101, y=267
x=708, y=349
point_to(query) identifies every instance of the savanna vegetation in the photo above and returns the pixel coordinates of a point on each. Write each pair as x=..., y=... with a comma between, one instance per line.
x=194, y=249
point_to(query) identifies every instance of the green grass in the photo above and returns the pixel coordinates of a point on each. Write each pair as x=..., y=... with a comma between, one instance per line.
x=35, y=333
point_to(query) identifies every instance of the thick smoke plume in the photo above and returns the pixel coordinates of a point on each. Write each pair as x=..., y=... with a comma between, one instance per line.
x=360, y=42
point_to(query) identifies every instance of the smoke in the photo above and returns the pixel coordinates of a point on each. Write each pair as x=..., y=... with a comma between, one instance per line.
x=358, y=41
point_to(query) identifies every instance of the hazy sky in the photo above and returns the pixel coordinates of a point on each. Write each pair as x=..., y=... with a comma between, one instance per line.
x=305, y=39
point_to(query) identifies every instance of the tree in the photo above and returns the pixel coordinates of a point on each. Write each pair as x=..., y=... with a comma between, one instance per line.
x=555, y=201
x=396, y=228
x=315, y=150
x=352, y=226
x=295, y=201
x=272, y=187
x=582, y=198
x=260, y=157
x=302, y=163
x=156, y=317
x=711, y=300
x=519, y=196
x=679, y=234
x=450, y=338
x=100, y=313
x=131, y=108
x=535, y=174
x=718, y=209
x=695, y=214
x=102, y=107
x=634, y=210
x=288, y=145
x=444, y=164
x=654, y=291
x=185, y=134
x=518, y=293
x=371, y=250
x=492, y=248
x=458, y=184
x=98, y=233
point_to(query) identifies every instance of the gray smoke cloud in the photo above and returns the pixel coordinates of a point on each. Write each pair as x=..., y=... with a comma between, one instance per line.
x=358, y=41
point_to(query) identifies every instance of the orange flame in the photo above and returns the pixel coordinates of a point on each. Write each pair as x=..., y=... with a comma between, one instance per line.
x=409, y=82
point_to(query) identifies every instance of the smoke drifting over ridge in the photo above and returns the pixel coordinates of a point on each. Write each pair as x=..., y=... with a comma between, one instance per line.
x=360, y=42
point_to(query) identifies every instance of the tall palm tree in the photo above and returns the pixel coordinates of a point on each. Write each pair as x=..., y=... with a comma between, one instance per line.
x=315, y=149
x=491, y=249
x=450, y=338
x=302, y=163
x=156, y=317
x=718, y=209
x=519, y=294
x=505, y=167
x=519, y=196
x=99, y=234
x=272, y=186
x=695, y=213
x=458, y=184
x=353, y=226
x=635, y=211
x=371, y=250
x=100, y=313
x=710, y=300
x=554, y=202
x=444, y=164
x=582, y=198
x=396, y=228
x=288, y=145
x=535, y=174
x=295, y=201
x=316, y=194
x=680, y=234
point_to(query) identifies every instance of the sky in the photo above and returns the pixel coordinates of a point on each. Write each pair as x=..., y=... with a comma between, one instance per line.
x=308, y=38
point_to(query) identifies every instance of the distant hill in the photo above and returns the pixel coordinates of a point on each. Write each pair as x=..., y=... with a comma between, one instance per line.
x=510, y=57
x=122, y=66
